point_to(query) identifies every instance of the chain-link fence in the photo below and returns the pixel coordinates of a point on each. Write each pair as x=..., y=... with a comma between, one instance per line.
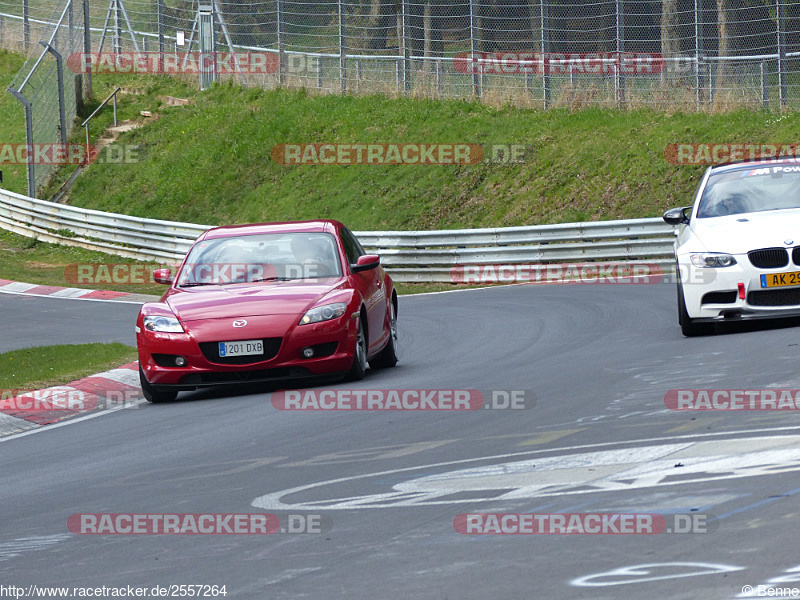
x=50, y=94
x=665, y=54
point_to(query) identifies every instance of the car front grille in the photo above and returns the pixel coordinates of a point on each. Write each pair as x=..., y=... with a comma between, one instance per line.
x=769, y=258
x=796, y=255
x=211, y=351
x=787, y=297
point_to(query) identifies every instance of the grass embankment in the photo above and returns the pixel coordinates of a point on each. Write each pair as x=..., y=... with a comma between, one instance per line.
x=45, y=366
x=211, y=162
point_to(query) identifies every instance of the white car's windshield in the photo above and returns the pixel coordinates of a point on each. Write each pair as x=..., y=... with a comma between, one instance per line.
x=265, y=257
x=773, y=187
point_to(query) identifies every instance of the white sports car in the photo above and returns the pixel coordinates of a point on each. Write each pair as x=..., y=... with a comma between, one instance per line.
x=738, y=247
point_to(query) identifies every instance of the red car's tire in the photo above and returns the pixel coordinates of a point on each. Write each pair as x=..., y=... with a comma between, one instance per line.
x=359, y=368
x=388, y=356
x=154, y=394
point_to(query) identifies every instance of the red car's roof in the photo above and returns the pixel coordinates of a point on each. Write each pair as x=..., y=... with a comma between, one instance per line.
x=326, y=225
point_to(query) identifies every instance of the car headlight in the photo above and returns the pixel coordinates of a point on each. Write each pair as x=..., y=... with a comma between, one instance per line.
x=162, y=324
x=324, y=313
x=710, y=260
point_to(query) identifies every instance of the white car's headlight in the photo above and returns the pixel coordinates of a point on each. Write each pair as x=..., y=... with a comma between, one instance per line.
x=162, y=324
x=324, y=313
x=711, y=260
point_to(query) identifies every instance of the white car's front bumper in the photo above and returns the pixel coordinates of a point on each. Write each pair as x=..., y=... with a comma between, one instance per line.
x=714, y=294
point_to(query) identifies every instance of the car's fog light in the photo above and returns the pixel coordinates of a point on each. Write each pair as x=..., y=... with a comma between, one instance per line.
x=308, y=352
x=180, y=361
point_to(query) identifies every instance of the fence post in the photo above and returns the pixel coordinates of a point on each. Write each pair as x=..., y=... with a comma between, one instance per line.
x=406, y=50
x=545, y=16
x=342, y=55
x=87, y=49
x=62, y=113
x=781, y=26
x=205, y=16
x=319, y=74
x=281, y=49
x=473, y=45
x=28, y=139
x=764, y=86
x=620, y=79
x=698, y=48
x=160, y=20
x=26, y=26
x=117, y=29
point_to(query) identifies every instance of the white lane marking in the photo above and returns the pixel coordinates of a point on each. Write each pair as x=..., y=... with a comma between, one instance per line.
x=642, y=573
x=115, y=301
x=610, y=470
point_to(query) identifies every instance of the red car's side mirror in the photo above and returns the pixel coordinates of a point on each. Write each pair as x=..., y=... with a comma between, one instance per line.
x=163, y=276
x=365, y=263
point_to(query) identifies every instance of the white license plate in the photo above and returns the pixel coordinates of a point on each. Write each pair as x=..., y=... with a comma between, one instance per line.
x=245, y=348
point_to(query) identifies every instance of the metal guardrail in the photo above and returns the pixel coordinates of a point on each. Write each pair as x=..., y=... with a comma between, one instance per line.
x=416, y=256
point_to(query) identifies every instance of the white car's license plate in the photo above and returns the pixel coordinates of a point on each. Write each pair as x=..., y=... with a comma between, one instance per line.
x=780, y=279
x=245, y=348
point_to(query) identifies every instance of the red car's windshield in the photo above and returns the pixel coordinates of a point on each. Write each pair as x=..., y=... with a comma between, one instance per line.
x=264, y=257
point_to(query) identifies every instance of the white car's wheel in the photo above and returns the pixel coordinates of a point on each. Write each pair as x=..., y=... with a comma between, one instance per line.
x=690, y=327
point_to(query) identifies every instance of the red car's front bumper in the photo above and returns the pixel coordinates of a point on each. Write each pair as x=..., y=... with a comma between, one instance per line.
x=284, y=340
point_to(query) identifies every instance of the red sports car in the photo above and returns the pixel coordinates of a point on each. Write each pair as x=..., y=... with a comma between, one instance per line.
x=267, y=302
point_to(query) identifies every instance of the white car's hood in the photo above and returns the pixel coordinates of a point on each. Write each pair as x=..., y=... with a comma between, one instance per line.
x=738, y=234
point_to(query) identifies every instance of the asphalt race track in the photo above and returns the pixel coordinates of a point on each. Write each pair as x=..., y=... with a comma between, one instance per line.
x=596, y=360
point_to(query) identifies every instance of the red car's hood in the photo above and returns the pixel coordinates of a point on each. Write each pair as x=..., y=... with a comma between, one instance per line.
x=249, y=300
